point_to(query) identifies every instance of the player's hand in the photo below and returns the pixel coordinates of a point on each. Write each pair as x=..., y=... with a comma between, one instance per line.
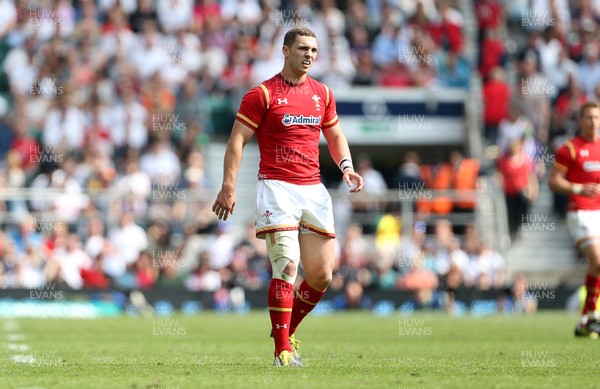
x=224, y=203
x=353, y=180
x=591, y=190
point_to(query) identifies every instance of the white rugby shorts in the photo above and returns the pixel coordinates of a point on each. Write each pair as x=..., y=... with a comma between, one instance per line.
x=583, y=224
x=282, y=206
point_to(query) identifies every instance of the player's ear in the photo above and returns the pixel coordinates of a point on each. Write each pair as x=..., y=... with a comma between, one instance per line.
x=285, y=50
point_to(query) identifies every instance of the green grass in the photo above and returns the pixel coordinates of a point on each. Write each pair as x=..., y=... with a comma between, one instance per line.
x=347, y=350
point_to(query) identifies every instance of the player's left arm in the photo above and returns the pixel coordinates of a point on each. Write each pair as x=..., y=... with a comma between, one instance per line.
x=340, y=152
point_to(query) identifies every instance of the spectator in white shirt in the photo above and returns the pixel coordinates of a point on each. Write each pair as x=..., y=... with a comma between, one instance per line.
x=161, y=163
x=127, y=6
x=71, y=259
x=589, y=69
x=373, y=179
x=134, y=188
x=96, y=243
x=64, y=126
x=128, y=117
x=21, y=68
x=562, y=71
x=174, y=15
x=220, y=248
x=246, y=12
x=120, y=41
x=8, y=16
x=128, y=241
x=513, y=127
x=151, y=52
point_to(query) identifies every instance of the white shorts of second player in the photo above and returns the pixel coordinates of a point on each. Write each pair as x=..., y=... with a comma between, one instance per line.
x=281, y=206
x=584, y=224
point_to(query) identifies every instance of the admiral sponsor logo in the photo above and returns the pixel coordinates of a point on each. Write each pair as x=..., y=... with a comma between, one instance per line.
x=591, y=166
x=290, y=120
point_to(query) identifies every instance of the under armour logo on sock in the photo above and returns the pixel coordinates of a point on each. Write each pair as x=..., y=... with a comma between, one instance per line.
x=280, y=326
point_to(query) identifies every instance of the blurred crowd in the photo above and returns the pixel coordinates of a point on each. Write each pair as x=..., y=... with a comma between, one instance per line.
x=113, y=103
x=539, y=61
x=107, y=108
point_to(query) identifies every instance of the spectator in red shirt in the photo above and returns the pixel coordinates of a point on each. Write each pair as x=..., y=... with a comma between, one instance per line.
x=496, y=99
x=490, y=15
x=492, y=53
x=93, y=277
x=520, y=184
x=419, y=20
x=145, y=273
x=447, y=33
x=25, y=145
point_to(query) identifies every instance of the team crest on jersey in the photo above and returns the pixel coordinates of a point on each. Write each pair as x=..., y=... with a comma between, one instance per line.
x=290, y=120
x=316, y=99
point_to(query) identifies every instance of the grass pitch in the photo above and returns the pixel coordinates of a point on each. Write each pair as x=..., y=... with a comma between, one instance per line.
x=344, y=350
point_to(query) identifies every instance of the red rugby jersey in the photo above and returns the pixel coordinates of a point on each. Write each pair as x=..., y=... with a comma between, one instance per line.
x=579, y=159
x=287, y=120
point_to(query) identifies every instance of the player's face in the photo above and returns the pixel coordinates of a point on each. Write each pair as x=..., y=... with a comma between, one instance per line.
x=303, y=53
x=590, y=123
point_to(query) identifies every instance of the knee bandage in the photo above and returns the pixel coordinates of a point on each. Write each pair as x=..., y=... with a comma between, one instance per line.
x=283, y=248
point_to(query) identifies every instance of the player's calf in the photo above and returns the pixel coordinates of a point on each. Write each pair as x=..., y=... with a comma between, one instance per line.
x=284, y=252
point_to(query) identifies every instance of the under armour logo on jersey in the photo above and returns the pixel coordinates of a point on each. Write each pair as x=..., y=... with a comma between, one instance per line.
x=280, y=326
x=584, y=153
x=316, y=100
x=282, y=101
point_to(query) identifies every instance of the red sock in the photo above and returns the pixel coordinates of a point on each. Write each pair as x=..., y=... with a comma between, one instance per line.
x=281, y=300
x=592, y=286
x=305, y=300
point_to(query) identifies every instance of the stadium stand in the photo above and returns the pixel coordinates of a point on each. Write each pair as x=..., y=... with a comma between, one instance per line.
x=114, y=114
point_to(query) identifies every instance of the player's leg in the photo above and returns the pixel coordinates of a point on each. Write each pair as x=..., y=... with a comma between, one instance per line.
x=590, y=247
x=585, y=229
x=317, y=252
x=284, y=253
x=277, y=218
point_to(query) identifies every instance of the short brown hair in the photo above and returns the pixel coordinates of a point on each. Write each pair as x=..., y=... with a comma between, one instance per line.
x=291, y=35
x=588, y=105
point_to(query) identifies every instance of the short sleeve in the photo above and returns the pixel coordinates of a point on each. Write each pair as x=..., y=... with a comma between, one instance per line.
x=564, y=157
x=331, y=117
x=252, y=108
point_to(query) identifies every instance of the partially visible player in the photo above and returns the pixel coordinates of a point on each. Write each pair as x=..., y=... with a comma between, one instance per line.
x=293, y=210
x=576, y=173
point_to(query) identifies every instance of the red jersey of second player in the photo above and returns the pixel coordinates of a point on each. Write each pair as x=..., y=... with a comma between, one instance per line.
x=579, y=159
x=287, y=120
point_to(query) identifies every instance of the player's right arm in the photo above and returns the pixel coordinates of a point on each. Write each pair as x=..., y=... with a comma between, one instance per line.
x=247, y=121
x=558, y=182
x=225, y=202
